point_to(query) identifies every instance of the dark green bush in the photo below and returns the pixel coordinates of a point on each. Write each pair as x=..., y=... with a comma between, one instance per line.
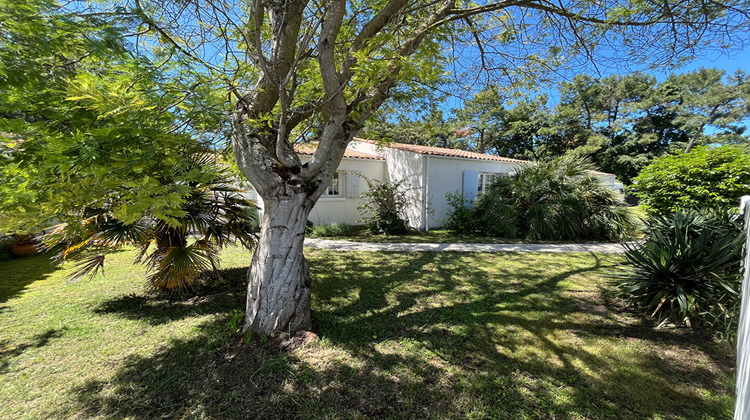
x=462, y=218
x=333, y=229
x=703, y=178
x=554, y=200
x=5, y=243
x=687, y=270
x=384, y=206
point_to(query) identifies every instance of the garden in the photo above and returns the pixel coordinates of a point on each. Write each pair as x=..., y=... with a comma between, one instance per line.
x=428, y=335
x=130, y=133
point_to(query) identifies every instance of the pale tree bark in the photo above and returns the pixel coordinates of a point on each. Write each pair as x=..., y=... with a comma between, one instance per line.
x=278, y=296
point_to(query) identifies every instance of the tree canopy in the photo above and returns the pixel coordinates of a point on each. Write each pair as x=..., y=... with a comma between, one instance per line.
x=86, y=123
x=621, y=122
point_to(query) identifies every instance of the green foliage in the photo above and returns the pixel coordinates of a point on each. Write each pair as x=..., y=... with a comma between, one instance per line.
x=432, y=129
x=620, y=122
x=86, y=124
x=462, y=217
x=103, y=142
x=481, y=119
x=702, y=178
x=687, y=270
x=176, y=251
x=6, y=242
x=333, y=229
x=558, y=199
x=384, y=205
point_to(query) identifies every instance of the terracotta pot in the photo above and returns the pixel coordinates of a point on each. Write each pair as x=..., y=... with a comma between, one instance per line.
x=22, y=250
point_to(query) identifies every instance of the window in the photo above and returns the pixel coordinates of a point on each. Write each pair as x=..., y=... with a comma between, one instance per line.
x=334, y=188
x=485, y=180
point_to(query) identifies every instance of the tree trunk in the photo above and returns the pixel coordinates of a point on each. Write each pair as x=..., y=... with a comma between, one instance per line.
x=278, y=295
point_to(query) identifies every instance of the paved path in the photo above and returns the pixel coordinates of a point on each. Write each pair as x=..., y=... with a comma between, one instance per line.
x=367, y=246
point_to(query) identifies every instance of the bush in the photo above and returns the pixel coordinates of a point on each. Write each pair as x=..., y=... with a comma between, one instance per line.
x=384, y=205
x=705, y=177
x=333, y=229
x=554, y=200
x=462, y=218
x=6, y=242
x=687, y=270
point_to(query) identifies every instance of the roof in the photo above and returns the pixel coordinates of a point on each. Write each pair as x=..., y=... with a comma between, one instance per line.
x=442, y=151
x=309, y=149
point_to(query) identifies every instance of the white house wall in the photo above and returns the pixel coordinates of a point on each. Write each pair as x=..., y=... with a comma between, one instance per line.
x=343, y=209
x=445, y=175
x=336, y=209
x=409, y=167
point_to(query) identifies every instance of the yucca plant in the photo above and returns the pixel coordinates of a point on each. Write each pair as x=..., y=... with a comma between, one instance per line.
x=687, y=269
x=177, y=251
x=559, y=199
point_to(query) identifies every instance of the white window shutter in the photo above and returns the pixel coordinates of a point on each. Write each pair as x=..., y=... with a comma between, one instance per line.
x=471, y=185
x=352, y=186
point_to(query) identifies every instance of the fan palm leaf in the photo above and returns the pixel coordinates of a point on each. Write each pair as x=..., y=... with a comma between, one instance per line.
x=213, y=213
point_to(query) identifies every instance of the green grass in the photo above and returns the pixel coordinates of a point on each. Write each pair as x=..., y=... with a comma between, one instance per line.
x=403, y=335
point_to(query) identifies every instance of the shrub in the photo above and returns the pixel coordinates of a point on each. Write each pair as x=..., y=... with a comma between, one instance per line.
x=6, y=242
x=333, y=229
x=554, y=200
x=384, y=205
x=463, y=216
x=704, y=177
x=687, y=269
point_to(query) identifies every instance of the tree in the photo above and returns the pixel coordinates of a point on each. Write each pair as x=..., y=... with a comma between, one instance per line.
x=304, y=70
x=624, y=122
x=706, y=101
x=214, y=213
x=94, y=139
x=432, y=129
x=85, y=124
x=482, y=117
x=705, y=177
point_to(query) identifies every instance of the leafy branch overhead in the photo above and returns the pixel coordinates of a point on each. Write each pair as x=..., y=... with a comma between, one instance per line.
x=317, y=70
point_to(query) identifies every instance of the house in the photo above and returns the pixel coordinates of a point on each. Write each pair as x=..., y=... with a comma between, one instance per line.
x=429, y=173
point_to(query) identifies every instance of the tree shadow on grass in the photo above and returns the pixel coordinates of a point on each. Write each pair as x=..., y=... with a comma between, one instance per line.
x=208, y=297
x=19, y=273
x=39, y=340
x=425, y=336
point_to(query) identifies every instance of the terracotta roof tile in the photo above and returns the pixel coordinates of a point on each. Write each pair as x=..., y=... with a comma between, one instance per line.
x=309, y=149
x=441, y=151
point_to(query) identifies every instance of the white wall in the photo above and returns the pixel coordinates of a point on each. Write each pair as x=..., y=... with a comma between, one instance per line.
x=445, y=175
x=343, y=209
x=408, y=166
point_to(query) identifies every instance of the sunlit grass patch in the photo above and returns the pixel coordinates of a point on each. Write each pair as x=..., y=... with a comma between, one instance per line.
x=402, y=335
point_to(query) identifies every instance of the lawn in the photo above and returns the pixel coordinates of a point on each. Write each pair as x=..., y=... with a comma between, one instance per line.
x=402, y=335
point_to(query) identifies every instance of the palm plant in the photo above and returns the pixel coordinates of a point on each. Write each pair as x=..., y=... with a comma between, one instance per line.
x=687, y=269
x=177, y=251
x=558, y=199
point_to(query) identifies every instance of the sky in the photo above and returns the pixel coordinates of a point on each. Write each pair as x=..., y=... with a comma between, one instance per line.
x=730, y=62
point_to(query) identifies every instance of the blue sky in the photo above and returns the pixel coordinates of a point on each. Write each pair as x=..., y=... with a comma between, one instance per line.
x=730, y=62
